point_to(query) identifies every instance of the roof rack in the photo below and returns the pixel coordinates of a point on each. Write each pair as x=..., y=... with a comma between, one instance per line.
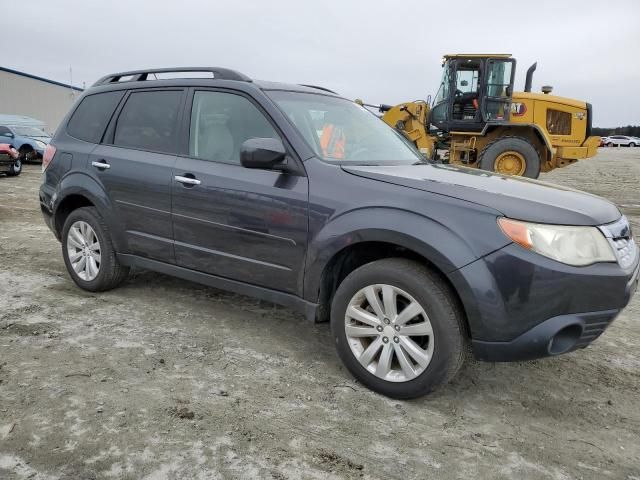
x=141, y=75
x=318, y=88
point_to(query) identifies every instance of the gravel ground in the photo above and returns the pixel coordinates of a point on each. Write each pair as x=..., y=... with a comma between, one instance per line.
x=162, y=378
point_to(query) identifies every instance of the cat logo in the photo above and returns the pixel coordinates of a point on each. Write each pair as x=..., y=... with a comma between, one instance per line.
x=518, y=109
x=580, y=115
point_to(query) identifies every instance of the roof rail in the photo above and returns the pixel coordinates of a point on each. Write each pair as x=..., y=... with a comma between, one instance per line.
x=140, y=75
x=318, y=88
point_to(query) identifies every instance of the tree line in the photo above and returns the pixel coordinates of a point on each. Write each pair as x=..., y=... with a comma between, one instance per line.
x=629, y=130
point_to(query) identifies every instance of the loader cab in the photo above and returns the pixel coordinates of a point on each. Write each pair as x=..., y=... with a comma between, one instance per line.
x=475, y=90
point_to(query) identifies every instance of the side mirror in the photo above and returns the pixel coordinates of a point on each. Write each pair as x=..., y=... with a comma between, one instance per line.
x=464, y=83
x=9, y=135
x=264, y=153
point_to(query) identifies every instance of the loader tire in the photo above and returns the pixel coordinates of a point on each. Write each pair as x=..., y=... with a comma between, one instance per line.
x=511, y=156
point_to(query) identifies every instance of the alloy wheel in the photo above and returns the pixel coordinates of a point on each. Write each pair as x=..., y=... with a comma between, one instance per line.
x=83, y=249
x=389, y=333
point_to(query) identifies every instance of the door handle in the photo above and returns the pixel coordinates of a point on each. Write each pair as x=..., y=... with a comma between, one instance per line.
x=101, y=165
x=187, y=180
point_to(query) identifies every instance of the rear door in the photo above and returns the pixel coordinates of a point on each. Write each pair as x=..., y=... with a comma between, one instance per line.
x=135, y=162
x=239, y=223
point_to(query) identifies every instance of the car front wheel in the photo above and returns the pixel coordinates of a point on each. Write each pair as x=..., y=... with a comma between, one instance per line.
x=398, y=328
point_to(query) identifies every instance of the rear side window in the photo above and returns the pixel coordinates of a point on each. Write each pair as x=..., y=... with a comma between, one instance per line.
x=148, y=121
x=92, y=115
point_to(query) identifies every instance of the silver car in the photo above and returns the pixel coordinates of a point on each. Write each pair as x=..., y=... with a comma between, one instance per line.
x=616, y=140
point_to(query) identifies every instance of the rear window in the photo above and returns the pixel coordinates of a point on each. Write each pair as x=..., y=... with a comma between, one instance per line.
x=92, y=115
x=148, y=121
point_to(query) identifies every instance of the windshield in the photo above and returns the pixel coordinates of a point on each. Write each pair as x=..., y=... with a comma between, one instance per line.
x=30, y=132
x=339, y=130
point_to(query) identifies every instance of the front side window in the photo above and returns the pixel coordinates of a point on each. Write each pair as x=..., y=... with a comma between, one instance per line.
x=339, y=130
x=221, y=122
x=90, y=119
x=445, y=86
x=467, y=80
x=4, y=130
x=148, y=121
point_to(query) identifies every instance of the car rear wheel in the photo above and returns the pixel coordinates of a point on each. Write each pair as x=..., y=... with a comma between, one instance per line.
x=15, y=169
x=88, y=252
x=398, y=328
x=632, y=144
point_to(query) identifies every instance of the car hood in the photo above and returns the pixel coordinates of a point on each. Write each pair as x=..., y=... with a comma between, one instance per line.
x=515, y=197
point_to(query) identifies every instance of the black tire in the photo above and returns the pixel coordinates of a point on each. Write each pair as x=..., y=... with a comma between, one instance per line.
x=15, y=169
x=609, y=144
x=111, y=273
x=632, y=145
x=490, y=153
x=447, y=320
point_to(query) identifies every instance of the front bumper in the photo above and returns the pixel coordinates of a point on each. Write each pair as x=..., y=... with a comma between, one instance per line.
x=521, y=305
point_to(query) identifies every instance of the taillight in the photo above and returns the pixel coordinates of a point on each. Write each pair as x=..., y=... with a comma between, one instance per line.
x=49, y=152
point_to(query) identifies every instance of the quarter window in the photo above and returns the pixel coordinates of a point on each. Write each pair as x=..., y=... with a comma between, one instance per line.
x=148, y=121
x=221, y=123
x=90, y=119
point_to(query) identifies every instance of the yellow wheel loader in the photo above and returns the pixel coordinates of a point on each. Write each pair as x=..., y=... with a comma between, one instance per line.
x=479, y=121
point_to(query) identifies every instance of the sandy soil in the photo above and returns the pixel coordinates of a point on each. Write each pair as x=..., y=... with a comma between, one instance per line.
x=162, y=378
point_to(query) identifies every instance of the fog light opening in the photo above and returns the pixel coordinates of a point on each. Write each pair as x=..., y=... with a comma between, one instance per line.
x=565, y=339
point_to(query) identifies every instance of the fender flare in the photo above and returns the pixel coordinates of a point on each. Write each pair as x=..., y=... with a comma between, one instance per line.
x=80, y=183
x=428, y=238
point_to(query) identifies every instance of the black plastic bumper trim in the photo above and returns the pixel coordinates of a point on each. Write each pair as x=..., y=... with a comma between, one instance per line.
x=536, y=343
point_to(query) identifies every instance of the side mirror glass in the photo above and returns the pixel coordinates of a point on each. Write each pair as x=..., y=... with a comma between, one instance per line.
x=264, y=153
x=9, y=134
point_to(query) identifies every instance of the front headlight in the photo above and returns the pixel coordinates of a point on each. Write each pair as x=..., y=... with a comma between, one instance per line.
x=578, y=246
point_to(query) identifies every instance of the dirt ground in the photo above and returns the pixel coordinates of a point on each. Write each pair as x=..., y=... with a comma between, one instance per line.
x=162, y=378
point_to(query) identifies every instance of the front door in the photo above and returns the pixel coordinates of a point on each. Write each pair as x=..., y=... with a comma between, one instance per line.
x=498, y=89
x=239, y=223
x=135, y=165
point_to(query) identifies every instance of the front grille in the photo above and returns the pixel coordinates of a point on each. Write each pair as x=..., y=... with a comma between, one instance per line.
x=621, y=239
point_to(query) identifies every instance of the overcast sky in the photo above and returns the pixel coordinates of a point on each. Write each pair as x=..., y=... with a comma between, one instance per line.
x=381, y=51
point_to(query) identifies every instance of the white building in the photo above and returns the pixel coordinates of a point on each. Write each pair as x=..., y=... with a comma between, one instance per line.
x=43, y=99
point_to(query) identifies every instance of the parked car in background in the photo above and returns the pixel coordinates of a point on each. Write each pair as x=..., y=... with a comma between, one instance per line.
x=622, y=140
x=10, y=162
x=30, y=142
x=603, y=141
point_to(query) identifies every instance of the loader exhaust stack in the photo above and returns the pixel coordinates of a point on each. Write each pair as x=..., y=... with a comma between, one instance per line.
x=529, y=79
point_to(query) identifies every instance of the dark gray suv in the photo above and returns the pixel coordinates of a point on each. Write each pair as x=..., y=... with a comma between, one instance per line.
x=295, y=195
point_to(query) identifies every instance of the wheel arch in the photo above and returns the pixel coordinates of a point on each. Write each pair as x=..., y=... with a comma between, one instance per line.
x=26, y=147
x=338, y=250
x=356, y=255
x=535, y=133
x=79, y=190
